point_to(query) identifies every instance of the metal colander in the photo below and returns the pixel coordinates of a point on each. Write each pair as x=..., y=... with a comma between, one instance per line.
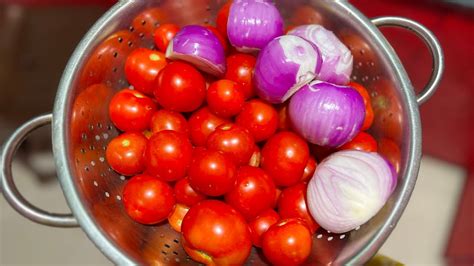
x=81, y=128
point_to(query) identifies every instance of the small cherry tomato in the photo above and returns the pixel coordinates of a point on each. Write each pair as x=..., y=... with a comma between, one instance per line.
x=185, y=194
x=369, y=112
x=211, y=172
x=391, y=151
x=168, y=155
x=253, y=192
x=164, y=34
x=131, y=110
x=260, y=225
x=201, y=124
x=259, y=118
x=240, y=69
x=125, y=153
x=225, y=98
x=147, y=199
x=292, y=204
x=222, y=17
x=284, y=158
x=169, y=120
x=309, y=169
x=362, y=142
x=219, y=36
x=287, y=242
x=216, y=234
x=233, y=141
x=180, y=87
x=177, y=215
x=142, y=67
x=284, y=122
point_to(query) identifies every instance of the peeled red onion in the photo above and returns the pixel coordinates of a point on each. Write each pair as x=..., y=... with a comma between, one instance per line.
x=348, y=188
x=286, y=64
x=337, y=58
x=252, y=24
x=326, y=114
x=199, y=46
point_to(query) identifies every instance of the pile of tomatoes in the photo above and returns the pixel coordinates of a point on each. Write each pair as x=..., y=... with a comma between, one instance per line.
x=221, y=166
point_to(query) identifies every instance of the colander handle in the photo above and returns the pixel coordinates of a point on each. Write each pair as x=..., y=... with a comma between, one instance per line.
x=433, y=44
x=9, y=189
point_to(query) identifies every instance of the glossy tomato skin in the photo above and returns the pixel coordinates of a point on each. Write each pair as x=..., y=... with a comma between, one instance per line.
x=131, y=111
x=185, y=194
x=240, y=69
x=309, y=169
x=287, y=242
x=217, y=232
x=180, y=87
x=142, y=67
x=369, y=112
x=234, y=141
x=175, y=219
x=259, y=118
x=163, y=34
x=252, y=193
x=225, y=98
x=284, y=158
x=211, y=172
x=125, y=153
x=169, y=120
x=292, y=204
x=168, y=155
x=222, y=17
x=284, y=122
x=260, y=225
x=362, y=142
x=147, y=199
x=201, y=124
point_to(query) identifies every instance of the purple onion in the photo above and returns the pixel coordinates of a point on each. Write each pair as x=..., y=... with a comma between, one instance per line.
x=285, y=65
x=326, y=114
x=200, y=47
x=337, y=58
x=348, y=188
x=252, y=24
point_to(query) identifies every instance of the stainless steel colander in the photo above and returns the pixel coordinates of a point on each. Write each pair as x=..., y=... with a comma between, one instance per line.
x=81, y=128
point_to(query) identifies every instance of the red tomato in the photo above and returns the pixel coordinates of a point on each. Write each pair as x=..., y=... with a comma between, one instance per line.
x=219, y=36
x=284, y=158
x=362, y=142
x=168, y=155
x=180, y=87
x=260, y=225
x=216, y=234
x=233, y=141
x=177, y=215
x=309, y=169
x=131, y=110
x=240, y=69
x=287, y=242
x=169, y=120
x=292, y=204
x=125, y=153
x=142, y=67
x=225, y=98
x=211, y=172
x=369, y=112
x=256, y=157
x=259, y=118
x=185, y=194
x=391, y=151
x=284, y=122
x=253, y=192
x=201, y=124
x=147, y=199
x=164, y=34
x=222, y=17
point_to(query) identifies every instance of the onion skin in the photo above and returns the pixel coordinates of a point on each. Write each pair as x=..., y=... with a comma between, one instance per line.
x=286, y=64
x=252, y=24
x=326, y=114
x=199, y=46
x=337, y=58
x=348, y=188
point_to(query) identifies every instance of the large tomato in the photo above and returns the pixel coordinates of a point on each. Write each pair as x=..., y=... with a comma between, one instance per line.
x=147, y=199
x=260, y=225
x=259, y=118
x=284, y=158
x=142, y=67
x=131, y=110
x=234, y=141
x=168, y=155
x=125, y=153
x=240, y=69
x=253, y=192
x=201, y=124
